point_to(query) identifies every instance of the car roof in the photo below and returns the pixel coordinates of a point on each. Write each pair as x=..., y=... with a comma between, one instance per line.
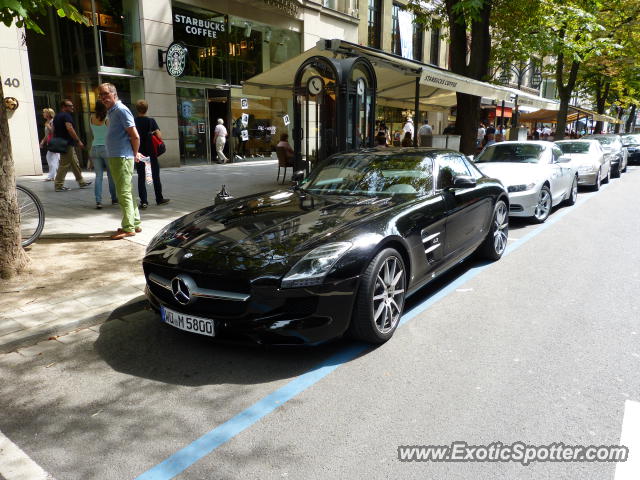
x=585, y=140
x=383, y=152
x=542, y=143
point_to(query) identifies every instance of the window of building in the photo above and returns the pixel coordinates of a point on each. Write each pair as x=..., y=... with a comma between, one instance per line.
x=395, y=29
x=406, y=36
x=435, y=47
x=374, y=23
x=118, y=26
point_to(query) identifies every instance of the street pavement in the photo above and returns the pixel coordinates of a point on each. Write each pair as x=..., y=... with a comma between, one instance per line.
x=540, y=347
x=72, y=214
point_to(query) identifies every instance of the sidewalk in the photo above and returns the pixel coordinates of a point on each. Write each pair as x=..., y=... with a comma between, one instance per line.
x=79, y=277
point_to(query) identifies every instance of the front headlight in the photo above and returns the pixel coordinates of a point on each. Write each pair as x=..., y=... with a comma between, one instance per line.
x=314, y=266
x=520, y=188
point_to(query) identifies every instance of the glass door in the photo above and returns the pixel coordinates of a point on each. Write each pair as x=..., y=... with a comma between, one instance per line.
x=192, y=126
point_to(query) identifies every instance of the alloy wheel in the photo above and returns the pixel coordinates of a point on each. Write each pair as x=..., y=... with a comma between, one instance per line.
x=388, y=295
x=501, y=228
x=544, y=205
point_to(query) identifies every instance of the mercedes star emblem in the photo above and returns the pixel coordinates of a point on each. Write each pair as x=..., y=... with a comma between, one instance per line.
x=180, y=290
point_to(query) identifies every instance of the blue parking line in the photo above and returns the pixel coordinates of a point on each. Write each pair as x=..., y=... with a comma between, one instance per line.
x=206, y=444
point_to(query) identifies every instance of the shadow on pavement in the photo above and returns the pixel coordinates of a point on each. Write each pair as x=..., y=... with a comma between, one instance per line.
x=134, y=341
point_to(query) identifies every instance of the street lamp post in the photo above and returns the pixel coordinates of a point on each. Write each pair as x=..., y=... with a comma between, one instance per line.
x=520, y=70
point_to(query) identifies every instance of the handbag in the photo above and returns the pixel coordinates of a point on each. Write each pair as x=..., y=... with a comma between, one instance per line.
x=158, y=146
x=58, y=145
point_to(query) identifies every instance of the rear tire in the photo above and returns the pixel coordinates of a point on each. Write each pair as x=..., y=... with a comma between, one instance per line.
x=608, y=177
x=380, y=299
x=495, y=242
x=573, y=194
x=616, y=171
x=598, y=182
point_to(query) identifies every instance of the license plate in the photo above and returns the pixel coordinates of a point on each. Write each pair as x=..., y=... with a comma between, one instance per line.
x=188, y=323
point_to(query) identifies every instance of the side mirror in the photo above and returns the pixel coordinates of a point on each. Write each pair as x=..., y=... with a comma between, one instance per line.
x=464, y=181
x=298, y=176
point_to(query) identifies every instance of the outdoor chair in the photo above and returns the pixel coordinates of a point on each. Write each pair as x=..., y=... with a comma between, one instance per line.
x=283, y=162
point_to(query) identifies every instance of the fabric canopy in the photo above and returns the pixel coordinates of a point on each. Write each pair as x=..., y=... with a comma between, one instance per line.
x=395, y=78
x=550, y=116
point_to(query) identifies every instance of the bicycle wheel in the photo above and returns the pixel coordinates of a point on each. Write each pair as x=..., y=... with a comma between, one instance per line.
x=31, y=215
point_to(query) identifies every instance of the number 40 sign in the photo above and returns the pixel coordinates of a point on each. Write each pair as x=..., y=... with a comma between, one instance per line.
x=11, y=82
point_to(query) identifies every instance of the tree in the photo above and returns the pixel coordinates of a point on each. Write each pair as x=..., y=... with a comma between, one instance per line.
x=24, y=13
x=468, y=22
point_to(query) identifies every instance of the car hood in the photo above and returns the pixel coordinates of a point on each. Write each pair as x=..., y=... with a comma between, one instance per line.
x=273, y=225
x=514, y=173
x=581, y=159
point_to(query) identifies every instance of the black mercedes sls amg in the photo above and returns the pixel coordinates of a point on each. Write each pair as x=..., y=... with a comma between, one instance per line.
x=337, y=253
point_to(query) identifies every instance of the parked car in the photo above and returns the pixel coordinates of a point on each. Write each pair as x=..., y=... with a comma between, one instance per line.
x=337, y=254
x=632, y=144
x=594, y=167
x=535, y=173
x=612, y=146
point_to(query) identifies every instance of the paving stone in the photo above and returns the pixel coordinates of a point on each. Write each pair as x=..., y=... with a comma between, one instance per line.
x=41, y=348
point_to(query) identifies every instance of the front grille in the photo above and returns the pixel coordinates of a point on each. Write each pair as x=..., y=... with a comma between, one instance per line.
x=212, y=281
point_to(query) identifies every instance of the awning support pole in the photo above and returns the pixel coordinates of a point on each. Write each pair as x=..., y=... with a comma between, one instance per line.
x=501, y=126
x=417, y=122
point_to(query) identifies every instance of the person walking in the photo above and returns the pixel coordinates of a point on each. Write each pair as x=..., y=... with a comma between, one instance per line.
x=147, y=127
x=53, y=158
x=98, y=155
x=65, y=128
x=122, y=142
x=408, y=127
x=219, y=139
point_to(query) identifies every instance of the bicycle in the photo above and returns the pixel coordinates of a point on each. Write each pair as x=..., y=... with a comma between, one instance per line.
x=31, y=215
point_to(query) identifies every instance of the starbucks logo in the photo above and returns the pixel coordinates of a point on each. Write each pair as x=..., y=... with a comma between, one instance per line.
x=176, y=59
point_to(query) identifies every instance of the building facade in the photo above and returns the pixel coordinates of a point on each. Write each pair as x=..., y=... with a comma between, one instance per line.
x=124, y=44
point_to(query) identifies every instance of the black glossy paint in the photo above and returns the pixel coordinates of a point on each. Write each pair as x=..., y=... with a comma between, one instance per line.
x=249, y=245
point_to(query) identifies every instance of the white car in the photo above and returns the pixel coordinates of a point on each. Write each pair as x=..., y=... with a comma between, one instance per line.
x=594, y=166
x=614, y=149
x=536, y=175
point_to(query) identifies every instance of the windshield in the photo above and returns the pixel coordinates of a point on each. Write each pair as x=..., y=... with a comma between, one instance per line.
x=370, y=174
x=511, y=152
x=574, y=147
x=604, y=140
x=631, y=140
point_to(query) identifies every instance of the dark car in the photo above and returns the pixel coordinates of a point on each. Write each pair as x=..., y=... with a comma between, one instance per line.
x=614, y=149
x=337, y=254
x=632, y=143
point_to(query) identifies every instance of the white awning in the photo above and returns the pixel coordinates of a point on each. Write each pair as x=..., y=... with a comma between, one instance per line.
x=534, y=101
x=396, y=79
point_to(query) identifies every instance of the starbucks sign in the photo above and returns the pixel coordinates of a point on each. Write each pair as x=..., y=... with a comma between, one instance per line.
x=176, y=59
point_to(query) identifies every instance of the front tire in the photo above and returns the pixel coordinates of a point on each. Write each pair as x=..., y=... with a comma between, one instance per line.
x=495, y=242
x=608, y=177
x=543, y=208
x=380, y=299
x=616, y=172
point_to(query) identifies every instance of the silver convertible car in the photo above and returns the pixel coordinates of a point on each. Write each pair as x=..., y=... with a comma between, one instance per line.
x=536, y=174
x=594, y=166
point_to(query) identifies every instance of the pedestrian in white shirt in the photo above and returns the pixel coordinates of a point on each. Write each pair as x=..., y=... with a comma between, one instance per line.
x=408, y=127
x=425, y=134
x=481, y=133
x=220, y=138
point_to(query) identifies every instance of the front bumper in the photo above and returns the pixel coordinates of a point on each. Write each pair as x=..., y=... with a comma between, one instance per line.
x=271, y=315
x=587, y=178
x=523, y=204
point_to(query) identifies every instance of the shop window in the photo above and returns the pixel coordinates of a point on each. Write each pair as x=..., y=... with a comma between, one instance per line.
x=118, y=26
x=255, y=48
x=257, y=123
x=205, y=35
